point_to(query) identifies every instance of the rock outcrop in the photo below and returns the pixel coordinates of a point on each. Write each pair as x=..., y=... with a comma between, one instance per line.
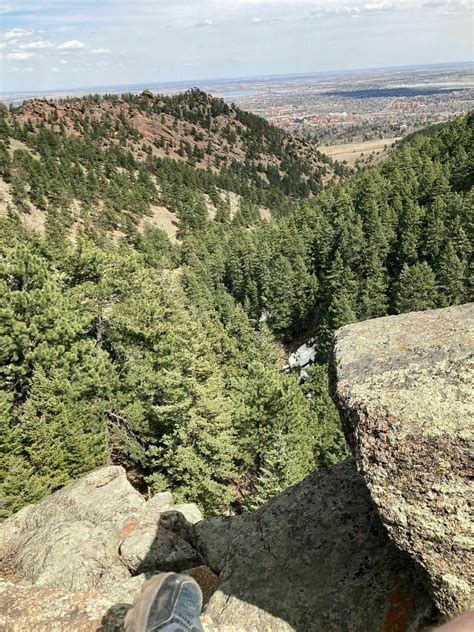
x=378, y=543
x=404, y=388
x=90, y=546
x=315, y=557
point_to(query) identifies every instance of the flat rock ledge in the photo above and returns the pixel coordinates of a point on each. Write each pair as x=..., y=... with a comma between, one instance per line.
x=404, y=389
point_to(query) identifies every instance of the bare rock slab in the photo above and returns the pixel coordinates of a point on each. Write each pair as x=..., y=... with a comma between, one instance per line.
x=404, y=388
x=47, y=609
x=102, y=497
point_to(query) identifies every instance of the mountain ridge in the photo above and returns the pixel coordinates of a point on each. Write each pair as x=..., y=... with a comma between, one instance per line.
x=149, y=157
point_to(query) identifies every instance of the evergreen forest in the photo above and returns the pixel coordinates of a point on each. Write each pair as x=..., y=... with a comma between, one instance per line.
x=121, y=343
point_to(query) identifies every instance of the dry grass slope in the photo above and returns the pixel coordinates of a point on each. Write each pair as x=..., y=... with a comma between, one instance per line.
x=353, y=152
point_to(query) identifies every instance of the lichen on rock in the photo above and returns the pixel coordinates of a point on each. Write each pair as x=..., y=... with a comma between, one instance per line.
x=404, y=388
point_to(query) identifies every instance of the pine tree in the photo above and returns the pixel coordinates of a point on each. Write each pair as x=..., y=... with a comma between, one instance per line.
x=279, y=296
x=349, y=234
x=450, y=277
x=330, y=446
x=21, y=486
x=416, y=288
x=409, y=233
x=270, y=404
x=434, y=230
x=373, y=295
x=340, y=293
x=272, y=478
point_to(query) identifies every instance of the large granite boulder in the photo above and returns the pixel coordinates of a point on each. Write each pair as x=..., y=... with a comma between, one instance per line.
x=404, y=388
x=315, y=557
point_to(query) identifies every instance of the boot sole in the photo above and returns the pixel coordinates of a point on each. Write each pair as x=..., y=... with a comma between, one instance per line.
x=137, y=617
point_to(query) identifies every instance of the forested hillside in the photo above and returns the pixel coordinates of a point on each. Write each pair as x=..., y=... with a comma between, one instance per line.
x=120, y=345
x=111, y=163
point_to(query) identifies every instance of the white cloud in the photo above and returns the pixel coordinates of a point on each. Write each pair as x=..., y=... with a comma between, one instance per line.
x=377, y=6
x=16, y=33
x=72, y=45
x=205, y=23
x=100, y=51
x=20, y=56
x=257, y=20
x=454, y=7
x=355, y=11
x=40, y=44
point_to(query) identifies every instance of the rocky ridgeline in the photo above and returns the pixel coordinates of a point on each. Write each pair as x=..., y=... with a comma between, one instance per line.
x=149, y=120
x=379, y=542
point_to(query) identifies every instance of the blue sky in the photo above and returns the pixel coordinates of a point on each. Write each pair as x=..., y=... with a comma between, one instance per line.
x=50, y=44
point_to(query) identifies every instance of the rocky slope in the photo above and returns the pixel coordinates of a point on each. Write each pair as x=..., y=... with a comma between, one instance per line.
x=88, y=547
x=384, y=548
x=116, y=162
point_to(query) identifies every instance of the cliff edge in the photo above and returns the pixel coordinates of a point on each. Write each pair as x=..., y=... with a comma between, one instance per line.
x=378, y=543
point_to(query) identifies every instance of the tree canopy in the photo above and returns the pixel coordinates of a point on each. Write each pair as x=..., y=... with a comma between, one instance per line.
x=166, y=357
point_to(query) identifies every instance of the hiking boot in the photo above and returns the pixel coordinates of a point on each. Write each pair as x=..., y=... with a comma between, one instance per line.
x=167, y=603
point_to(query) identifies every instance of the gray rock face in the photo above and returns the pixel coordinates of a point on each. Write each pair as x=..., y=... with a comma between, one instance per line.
x=404, y=387
x=213, y=538
x=315, y=557
x=159, y=502
x=71, y=555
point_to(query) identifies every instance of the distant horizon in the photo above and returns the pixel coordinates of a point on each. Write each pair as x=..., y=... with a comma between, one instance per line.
x=190, y=83
x=53, y=45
